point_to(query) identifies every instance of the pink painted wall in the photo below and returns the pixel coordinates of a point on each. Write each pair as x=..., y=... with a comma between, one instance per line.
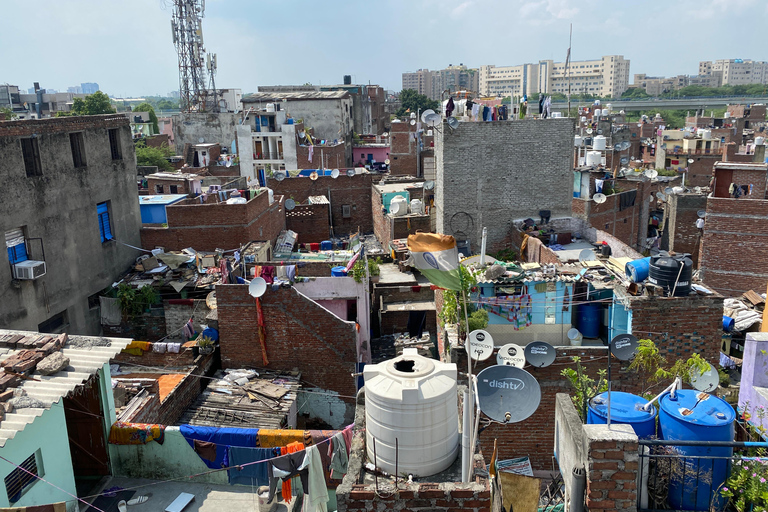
x=361, y=154
x=337, y=307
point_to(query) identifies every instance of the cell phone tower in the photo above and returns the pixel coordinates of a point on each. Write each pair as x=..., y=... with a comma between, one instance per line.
x=187, y=28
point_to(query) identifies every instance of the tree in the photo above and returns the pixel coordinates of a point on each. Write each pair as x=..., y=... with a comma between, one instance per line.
x=8, y=113
x=146, y=107
x=635, y=92
x=93, y=104
x=166, y=104
x=147, y=155
x=412, y=101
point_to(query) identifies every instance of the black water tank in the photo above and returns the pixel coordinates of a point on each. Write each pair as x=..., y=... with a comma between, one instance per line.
x=347, y=79
x=664, y=271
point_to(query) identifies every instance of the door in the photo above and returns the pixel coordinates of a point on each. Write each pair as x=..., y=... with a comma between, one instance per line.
x=723, y=180
x=85, y=427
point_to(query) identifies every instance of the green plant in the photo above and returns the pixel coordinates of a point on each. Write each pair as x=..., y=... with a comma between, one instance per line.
x=133, y=302
x=204, y=342
x=453, y=306
x=651, y=366
x=505, y=255
x=725, y=379
x=357, y=272
x=584, y=386
x=747, y=486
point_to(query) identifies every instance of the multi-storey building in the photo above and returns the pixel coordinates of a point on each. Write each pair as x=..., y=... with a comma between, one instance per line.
x=737, y=71
x=434, y=84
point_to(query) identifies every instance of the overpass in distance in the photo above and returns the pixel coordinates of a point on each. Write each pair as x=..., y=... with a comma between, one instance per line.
x=667, y=103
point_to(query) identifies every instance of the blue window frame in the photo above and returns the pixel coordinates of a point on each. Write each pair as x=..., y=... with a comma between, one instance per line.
x=105, y=230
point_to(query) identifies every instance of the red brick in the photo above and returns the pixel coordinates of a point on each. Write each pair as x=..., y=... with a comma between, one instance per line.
x=361, y=495
x=603, y=445
x=621, y=495
x=600, y=505
x=604, y=465
x=616, y=455
x=462, y=493
x=433, y=493
x=602, y=484
x=624, y=475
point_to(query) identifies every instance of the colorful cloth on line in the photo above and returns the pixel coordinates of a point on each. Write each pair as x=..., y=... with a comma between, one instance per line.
x=271, y=438
x=136, y=433
x=223, y=438
x=516, y=309
x=53, y=507
x=137, y=348
x=254, y=474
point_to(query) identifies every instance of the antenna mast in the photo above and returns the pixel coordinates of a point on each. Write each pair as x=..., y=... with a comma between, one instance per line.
x=187, y=30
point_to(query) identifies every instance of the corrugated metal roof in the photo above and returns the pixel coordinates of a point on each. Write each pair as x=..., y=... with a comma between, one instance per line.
x=308, y=95
x=83, y=362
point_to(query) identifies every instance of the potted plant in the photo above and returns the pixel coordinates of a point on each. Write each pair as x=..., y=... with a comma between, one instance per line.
x=358, y=270
x=205, y=345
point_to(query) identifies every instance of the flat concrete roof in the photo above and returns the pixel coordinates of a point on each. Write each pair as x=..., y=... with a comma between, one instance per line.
x=161, y=199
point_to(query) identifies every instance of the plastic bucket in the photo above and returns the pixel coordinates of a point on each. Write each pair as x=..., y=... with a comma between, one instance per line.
x=575, y=336
x=728, y=323
x=339, y=272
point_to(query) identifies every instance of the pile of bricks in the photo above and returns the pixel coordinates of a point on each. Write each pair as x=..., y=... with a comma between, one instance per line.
x=34, y=348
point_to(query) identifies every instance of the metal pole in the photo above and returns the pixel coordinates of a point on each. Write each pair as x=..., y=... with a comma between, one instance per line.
x=609, y=385
x=469, y=378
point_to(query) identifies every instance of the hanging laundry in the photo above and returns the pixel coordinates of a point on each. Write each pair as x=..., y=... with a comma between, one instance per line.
x=223, y=438
x=317, y=489
x=159, y=347
x=311, y=153
x=449, y=107
x=136, y=433
x=271, y=438
x=253, y=474
x=174, y=348
x=286, y=467
x=188, y=330
x=268, y=274
x=337, y=451
x=599, y=186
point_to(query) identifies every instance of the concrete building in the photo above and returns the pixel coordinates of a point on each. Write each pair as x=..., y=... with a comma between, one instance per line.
x=607, y=76
x=434, y=83
x=489, y=174
x=230, y=100
x=89, y=87
x=737, y=71
x=70, y=196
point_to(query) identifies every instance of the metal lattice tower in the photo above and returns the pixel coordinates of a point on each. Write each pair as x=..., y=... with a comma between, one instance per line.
x=187, y=26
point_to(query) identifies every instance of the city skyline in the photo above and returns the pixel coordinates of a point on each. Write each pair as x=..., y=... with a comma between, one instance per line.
x=144, y=62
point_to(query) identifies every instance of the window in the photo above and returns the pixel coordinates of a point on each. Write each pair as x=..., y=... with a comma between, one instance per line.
x=114, y=144
x=158, y=189
x=56, y=324
x=22, y=477
x=31, y=154
x=16, y=245
x=78, y=148
x=105, y=230
x=94, y=302
x=174, y=189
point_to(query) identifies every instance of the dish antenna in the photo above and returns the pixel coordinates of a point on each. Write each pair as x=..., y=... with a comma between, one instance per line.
x=511, y=355
x=433, y=120
x=480, y=345
x=540, y=354
x=290, y=204
x=279, y=176
x=257, y=287
x=386, y=162
x=413, y=122
x=701, y=213
x=707, y=381
x=350, y=172
x=624, y=160
x=697, y=190
x=453, y=123
x=690, y=160
x=313, y=175
x=589, y=131
x=302, y=135
x=617, y=146
x=429, y=185
x=587, y=255
x=599, y=198
x=651, y=173
x=335, y=173
x=660, y=196
x=426, y=113
x=625, y=145
x=669, y=191
x=507, y=394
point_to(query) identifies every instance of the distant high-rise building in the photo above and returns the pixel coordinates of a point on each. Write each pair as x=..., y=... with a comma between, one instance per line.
x=76, y=89
x=737, y=71
x=434, y=83
x=89, y=87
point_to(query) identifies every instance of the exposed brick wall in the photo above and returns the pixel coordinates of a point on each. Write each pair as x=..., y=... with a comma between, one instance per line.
x=733, y=256
x=612, y=473
x=684, y=236
x=61, y=124
x=354, y=191
x=310, y=221
x=146, y=327
x=185, y=392
x=700, y=170
x=333, y=157
x=209, y=226
x=182, y=186
x=300, y=334
x=402, y=153
x=178, y=312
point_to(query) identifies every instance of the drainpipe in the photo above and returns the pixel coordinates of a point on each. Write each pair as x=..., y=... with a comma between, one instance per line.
x=466, y=449
x=578, y=485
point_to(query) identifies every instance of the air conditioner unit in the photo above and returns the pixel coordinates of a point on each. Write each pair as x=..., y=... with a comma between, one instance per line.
x=29, y=269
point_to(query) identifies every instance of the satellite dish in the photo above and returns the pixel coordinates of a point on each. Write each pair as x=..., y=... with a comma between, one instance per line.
x=650, y=198
x=313, y=175
x=385, y=134
x=302, y=135
x=690, y=160
x=625, y=145
x=706, y=382
x=623, y=346
x=599, y=198
x=257, y=287
x=335, y=173
x=701, y=213
x=394, y=208
x=617, y=146
x=290, y=204
x=589, y=131
x=433, y=120
x=480, y=345
x=350, y=172
x=540, y=354
x=507, y=394
x=599, y=132
x=511, y=355
x=413, y=122
x=587, y=255
x=660, y=196
x=386, y=162
x=429, y=185
x=453, y=123
x=201, y=140
x=426, y=113
x=669, y=191
x=279, y=176
x=210, y=300
x=624, y=160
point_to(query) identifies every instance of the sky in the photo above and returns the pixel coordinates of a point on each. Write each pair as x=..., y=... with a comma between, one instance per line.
x=126, y=46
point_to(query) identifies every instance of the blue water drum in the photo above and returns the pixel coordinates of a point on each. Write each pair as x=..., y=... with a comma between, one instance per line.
x=339, y=271
x=728, y=323
x=625, y=409
x=697, y=416
x=326, y=245
x=637, y=270
x=589, y=319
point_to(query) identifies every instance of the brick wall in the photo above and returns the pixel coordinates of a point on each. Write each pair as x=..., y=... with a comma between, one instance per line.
x=300, y=334
x=27, y=127
x=700, y=170
x=177, y=312
x=310, y=221
x=684, y=236
x=182, y=186
x=209, y=226
x=490, y=174
x=185, y=392
x=354, y=191
x=325, y=157
x=143, y=327
x=402, y=152
x=733, y=256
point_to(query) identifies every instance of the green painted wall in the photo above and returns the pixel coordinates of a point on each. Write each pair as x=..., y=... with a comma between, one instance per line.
x=48, y=433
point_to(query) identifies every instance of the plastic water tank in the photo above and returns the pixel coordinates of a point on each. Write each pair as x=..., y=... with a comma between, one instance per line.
x=637, y=270
x=665, y=271
x=705, y=133
x=608, y=108
x=589, y=319
x=412, y=399
x=759, y=141
x=697, y=416
x=626, y=408
x=417, y=207
x=594, y=158
x=578, y=141
x=271, y=195
x=398, y=206
x=270, y=107
x=599, y=143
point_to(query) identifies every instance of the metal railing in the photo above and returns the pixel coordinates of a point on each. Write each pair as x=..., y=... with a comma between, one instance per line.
x=685, y=475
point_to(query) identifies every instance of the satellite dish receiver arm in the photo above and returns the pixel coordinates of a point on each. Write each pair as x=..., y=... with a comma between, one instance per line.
x=671, y=389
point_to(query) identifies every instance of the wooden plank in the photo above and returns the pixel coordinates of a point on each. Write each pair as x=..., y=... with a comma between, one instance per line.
x=753, y=297
x=267, y=389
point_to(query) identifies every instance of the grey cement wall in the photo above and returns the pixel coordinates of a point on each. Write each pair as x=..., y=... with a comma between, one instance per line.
x=489, y=174
x=190, y=127
x=570, y=442
x=60, y=208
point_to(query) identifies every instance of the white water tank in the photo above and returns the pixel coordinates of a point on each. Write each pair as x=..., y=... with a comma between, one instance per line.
x=412, y=399
x=759, y=141
x=599, y=143
x=607, y=110
x=417, y=207
x=398, y=206
x=271, y=195
x=578, y=141
x=594, y=158
x=270, y=107
x=705, y=133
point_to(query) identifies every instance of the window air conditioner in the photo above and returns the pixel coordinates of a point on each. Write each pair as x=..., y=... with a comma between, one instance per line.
x=29, y=269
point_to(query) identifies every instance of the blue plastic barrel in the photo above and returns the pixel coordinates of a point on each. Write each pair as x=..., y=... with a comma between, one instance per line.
x=625, y=409
x=326, y=245
x=637, y=270
x=589, y=318
x=697, y=416
x=728, y=323
x=339, y=271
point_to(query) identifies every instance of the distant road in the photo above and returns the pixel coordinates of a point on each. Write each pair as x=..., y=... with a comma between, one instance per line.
x=668, y=104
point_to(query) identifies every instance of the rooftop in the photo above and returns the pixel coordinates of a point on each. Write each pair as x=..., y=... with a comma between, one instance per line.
x=161, y=199
x=295, y=96
x=174, y=176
